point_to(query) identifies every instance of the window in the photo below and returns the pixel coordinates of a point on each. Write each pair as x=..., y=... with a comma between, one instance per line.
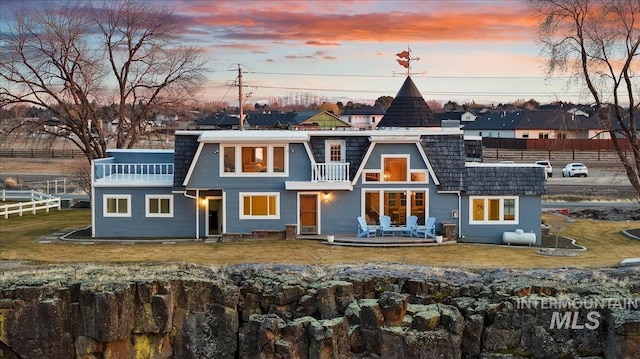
x=493, y=209
x=259, y=205
x=543, y=135
x=398, y=205
x=395, y=169
x=372, y=177
x=525, y=135
x=159, y=205
x=116, y=206
x=418, y=176
x=254, y=160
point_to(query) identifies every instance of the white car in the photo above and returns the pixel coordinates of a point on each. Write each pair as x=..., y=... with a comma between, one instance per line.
x=575, y=169
x=547, y=167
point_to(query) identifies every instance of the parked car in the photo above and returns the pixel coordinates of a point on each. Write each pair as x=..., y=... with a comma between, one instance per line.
x=575, y=169
x=547, y=167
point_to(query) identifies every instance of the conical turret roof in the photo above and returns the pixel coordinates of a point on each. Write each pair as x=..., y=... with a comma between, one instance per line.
x=408, y=109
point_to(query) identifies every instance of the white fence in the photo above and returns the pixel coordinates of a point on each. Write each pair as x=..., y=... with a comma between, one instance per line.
x=38, y=201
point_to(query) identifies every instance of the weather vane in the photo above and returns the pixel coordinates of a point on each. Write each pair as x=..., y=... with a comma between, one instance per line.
x=405, y=61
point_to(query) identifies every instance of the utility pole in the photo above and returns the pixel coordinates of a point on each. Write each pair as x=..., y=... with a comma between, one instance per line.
x=240, y=97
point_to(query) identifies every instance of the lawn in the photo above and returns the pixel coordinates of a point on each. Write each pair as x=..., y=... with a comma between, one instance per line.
x=19, y=242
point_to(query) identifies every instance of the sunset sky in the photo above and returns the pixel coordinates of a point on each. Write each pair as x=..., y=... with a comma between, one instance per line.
x=482, y=51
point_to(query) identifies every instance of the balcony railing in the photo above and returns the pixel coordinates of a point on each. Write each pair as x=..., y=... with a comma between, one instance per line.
x=330, y=172
x=134, y=171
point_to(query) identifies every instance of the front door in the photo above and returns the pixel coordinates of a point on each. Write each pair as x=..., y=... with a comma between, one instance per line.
x=309, y=213
x=214, y=216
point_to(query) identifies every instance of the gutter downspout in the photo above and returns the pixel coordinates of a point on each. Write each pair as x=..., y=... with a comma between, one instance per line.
x=93, y=199
x=459, y=215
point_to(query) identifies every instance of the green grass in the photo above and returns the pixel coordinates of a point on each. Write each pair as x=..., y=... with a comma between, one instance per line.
x=19, y=242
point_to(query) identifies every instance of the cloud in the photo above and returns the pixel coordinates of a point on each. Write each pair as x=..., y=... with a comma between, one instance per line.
x=319, y=43
x=270, y=21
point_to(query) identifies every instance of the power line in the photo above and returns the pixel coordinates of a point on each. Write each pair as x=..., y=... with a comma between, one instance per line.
x=390, y=76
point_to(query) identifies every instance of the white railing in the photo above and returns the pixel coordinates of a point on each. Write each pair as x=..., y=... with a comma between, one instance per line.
x=39, y=201
x=329, y=172
x=133, y=171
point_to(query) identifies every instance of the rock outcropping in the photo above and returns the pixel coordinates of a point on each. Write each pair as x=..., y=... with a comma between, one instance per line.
x=373, y=311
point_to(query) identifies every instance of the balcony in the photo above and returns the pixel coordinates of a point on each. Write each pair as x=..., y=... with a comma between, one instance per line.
x=324, y=176
x=132, y=174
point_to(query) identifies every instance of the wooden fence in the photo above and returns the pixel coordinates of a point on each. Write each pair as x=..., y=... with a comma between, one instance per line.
x=38, y=201
x=553, y=145
x=42, y=153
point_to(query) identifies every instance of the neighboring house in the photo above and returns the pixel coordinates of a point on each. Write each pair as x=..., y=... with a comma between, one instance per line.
x=541, y=124
x=219, y=121
x=460, y=116
x=321, y=120
x=363, y=117
x=229, y=182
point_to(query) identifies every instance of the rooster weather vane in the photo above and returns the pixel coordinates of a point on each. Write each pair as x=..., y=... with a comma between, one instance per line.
x=405, y=61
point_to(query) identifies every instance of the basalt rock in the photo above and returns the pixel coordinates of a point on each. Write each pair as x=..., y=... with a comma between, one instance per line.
x=371, y=311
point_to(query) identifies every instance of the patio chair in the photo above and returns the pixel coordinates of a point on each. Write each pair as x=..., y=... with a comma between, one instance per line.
x=364, y=230
x=412, y=225
x=429, y=231
x=385, y=226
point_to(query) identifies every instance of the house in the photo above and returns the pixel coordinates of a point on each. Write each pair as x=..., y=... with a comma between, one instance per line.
x=363, y=117
x=230, y=183
x=541, y=124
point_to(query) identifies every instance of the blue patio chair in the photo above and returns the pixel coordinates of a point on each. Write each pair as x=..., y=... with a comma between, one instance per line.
x=412, y=225
x=364, y=230
x=429, y=231
x=385, y=226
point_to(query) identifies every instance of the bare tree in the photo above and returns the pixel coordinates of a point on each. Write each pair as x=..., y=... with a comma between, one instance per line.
x=597, y=42
x=77, y=58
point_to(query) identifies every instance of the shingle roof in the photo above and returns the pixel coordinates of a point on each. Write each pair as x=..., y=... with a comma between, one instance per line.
x=408, y=109
x=364, y=110
x=505, y=180
x=185, y=149
x=528, y=119
x=446, y=154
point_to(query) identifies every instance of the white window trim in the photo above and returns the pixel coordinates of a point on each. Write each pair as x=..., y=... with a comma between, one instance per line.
x=157, y=196
x=516, y=219
x=241, y=196
x=238, y=165
x=105, y=199
x=407, y=175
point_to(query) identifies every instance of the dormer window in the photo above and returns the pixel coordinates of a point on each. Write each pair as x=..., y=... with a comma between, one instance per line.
x=253, y=160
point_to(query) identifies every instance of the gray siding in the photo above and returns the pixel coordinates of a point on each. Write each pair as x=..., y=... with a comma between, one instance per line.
x=181, y=225
x=529, y=221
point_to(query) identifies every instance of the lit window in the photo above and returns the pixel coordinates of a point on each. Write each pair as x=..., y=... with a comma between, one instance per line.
x=117, y=206
x=372, y=177
x=254, y=160
x=159, y=206
x=395, y=169
x=259, y=206
x=493, y=209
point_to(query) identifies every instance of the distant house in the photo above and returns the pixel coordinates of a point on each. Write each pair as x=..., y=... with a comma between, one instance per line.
x=225, y=183
x=541, y=124
x=363, y=117
x=460, y=116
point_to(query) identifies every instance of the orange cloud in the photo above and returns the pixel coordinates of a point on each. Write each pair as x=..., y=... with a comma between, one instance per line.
x=326, y=26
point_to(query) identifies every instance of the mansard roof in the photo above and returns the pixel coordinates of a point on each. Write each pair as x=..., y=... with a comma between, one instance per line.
x=409, y=109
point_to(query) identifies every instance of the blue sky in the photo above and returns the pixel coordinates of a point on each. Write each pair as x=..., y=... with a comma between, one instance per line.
x=482, y=51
